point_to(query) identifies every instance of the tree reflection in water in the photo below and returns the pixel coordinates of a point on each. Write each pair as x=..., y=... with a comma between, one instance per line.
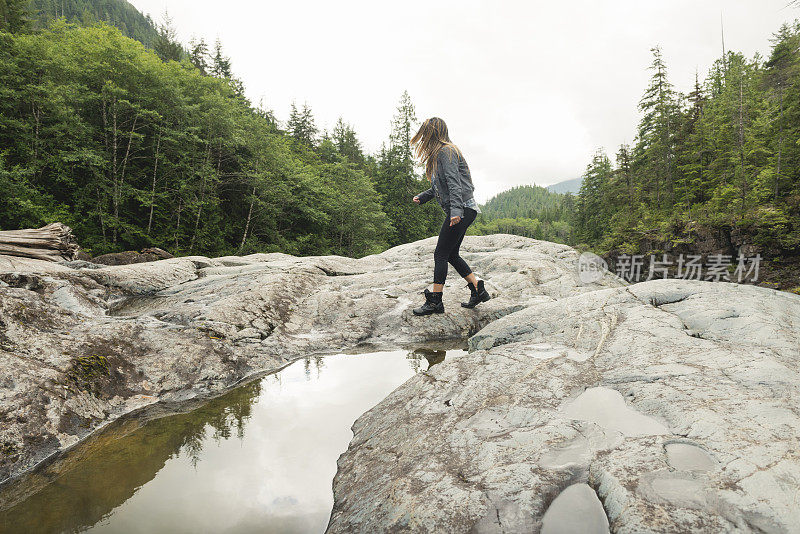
x=83, y=486
x=90, y=483
x=432, y=356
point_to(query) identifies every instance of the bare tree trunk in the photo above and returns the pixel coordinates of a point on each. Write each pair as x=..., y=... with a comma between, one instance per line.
x=100, y=214
x=780, y=149
x=105, y=124
x=37, y=114
x=178, y=223
x=128, y=149
x=743, y=185
x=115, y=193
x=249, y=216
x=153, y=190
x=119, y=177
x=200, y=204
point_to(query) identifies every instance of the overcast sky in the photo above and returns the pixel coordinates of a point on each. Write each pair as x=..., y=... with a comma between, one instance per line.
x=529, y=89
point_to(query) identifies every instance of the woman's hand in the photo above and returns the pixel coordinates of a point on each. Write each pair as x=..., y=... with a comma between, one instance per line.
x=416, y=199
x=455, y=220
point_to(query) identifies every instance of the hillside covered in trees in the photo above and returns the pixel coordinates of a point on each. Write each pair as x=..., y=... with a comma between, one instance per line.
x=717, y=168
x=722, y=161
x=527, y=210
x=135, y=146
x=110, y=125
x=117, y=13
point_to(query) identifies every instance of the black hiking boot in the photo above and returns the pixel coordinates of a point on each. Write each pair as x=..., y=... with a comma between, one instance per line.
x=433, y=304
x=478, y=295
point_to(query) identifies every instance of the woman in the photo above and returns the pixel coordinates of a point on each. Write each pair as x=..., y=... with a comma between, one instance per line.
x=451, y=184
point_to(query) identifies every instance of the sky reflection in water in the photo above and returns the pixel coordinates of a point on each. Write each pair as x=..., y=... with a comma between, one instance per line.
x=260, y=458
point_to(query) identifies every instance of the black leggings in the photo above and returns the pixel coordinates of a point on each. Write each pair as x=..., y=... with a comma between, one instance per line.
x=450, y=238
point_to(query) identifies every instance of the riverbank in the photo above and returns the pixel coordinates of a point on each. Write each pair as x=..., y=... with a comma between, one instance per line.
x=82, y=345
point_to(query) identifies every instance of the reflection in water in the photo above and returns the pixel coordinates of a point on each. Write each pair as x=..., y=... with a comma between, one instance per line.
x=99, y=475
x=260, y=457
x=576, y=510
x=431, y=355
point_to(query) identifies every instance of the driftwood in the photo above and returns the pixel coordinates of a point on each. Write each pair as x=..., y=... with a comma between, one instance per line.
x=53, y=242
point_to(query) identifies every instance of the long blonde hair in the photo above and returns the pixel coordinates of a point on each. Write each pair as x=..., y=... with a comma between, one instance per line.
x=431, y=137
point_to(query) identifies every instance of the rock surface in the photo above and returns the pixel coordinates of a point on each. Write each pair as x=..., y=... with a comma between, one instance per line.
x=677, y=402
x=131, y=256
x=82, y=344
x=670, y=406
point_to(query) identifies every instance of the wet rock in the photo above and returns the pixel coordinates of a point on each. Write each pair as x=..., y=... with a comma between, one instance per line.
x=576, y=510
x=606, y=408
x=681, y=417
x=82, y=343
x=688, y=457
x=130, y=256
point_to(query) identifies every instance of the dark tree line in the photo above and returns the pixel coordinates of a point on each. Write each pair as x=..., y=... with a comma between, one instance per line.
x=118, y=13
x=725, y=155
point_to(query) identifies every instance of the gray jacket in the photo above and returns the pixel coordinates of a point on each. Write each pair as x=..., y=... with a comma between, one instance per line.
x=451, y=184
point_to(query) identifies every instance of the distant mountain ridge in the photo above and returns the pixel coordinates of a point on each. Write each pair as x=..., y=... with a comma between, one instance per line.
x=567, y=186
x=527, y=210
x=531, y=201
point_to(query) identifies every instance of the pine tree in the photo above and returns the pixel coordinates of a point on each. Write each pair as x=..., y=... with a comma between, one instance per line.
x=397, y=181
x=625, y=174
x=166, y=44
x=655, y=141
x=220, y=63
x=13, y=15
x=782, y=68
x=301, y=125
x=347, y=143
x=402, y=124
x=592, y=208
x=692, y=153
x=198, y=55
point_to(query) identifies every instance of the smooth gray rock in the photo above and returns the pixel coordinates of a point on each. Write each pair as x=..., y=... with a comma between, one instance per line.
x=80, y=346
x=676, y=402
x=595, y=389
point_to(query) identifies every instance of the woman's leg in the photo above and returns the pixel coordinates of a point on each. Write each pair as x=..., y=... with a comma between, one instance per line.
x=455, y=259
x=450, y=238
x=447, y=239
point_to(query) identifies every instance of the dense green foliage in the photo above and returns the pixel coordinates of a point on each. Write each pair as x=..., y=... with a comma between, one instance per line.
x=397, y=182
x=527, y=210
x=117, y=13
x=725, y=156
x=130, y=150
x=152, y=143
x=14, y=16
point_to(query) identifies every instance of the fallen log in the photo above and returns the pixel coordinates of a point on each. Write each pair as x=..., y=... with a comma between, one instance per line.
x=53, y=242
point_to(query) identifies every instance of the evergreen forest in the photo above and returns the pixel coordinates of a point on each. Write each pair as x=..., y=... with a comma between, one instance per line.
x=111, y=126
x=136, y=146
